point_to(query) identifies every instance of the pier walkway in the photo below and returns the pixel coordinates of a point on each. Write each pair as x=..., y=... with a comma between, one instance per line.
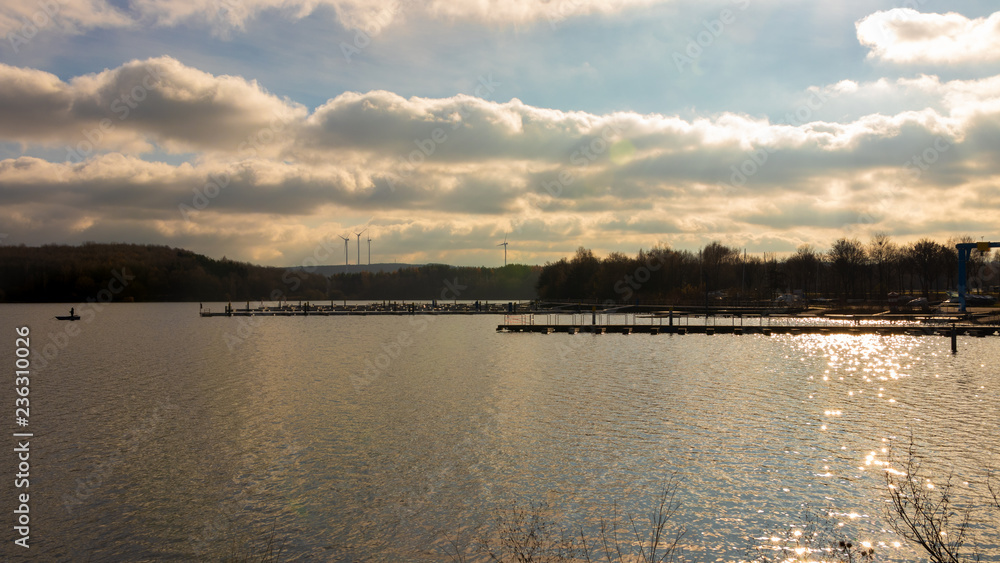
x=767, y=330
x=544, y=318
x=935, y=324
x=388, y=308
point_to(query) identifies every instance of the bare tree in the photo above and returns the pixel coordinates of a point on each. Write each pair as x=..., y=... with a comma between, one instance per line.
x=720, y=266
x=927, y=259
x=655, y=545
x=803, y=268
x=930, y=515
x=523, y=534
x=847, y=256
x=801, y=544
x=881, y=254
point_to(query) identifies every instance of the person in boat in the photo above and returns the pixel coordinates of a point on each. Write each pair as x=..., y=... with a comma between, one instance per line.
x=71, y=313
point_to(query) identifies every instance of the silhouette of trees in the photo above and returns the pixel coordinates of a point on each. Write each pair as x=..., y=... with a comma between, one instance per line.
x=847, y=257
x=850, y=269
x=61, y=273
x=928, y=261
x=552, y=281
x=883, y=256
x=720, y=266
x=439, y=281
x=583, y=269
x=803, y=268
x=716, y=273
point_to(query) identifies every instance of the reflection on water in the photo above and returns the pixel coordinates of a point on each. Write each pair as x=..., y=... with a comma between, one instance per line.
x=383, y=438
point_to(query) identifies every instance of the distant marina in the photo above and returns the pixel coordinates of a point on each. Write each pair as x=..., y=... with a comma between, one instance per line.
x=551, y=317
x=331, y=308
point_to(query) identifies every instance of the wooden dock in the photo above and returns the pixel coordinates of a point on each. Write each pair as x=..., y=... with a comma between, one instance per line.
x=339, y=313
x=766, y=330
x=334, y=310
x=528, y=317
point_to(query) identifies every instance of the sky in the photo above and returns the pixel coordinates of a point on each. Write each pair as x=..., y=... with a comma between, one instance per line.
x=265, y=130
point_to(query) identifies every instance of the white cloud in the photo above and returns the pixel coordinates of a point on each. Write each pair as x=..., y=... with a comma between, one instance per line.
x=905, y=36
x=456, y=169
x=225, y=16
x=26, y=19
x=523, y=11
x=140, y=104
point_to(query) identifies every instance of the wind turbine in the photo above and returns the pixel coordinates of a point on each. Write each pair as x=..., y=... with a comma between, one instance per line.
x=346, y=239
x=359, y=243
x=504, y=245
x=369, y=248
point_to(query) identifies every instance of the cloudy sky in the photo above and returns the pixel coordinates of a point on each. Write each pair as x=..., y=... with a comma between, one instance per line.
x=264, y=129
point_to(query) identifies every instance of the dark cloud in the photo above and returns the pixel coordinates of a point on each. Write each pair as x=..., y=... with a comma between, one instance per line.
x=457, y=170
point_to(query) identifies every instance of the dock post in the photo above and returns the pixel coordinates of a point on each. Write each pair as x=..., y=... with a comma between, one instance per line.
x=954, y=339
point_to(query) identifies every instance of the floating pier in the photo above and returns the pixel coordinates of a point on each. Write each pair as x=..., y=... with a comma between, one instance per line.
x=547, y=318
x=766, y=330
x=386, y=308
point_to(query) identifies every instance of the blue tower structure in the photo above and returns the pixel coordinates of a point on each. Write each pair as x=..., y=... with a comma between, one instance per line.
x=964, y=252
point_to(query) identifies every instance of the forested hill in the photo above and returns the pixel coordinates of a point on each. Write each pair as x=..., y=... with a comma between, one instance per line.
x=131, y=272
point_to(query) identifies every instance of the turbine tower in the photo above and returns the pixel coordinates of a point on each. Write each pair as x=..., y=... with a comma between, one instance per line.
x=359, y=243
x=369, y=248
x=346, y=240
x=504, y=245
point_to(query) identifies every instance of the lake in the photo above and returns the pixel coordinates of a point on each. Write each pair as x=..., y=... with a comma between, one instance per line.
x=160, y=435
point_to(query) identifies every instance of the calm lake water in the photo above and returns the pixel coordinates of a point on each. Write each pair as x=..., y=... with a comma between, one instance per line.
x=160, y=435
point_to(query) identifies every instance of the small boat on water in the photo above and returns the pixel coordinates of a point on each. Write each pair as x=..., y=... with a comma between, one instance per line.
x=72, y=316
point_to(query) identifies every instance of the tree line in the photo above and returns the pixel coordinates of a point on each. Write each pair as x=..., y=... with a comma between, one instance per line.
x=848, y=270
x=65, y=274
x=441, y=282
